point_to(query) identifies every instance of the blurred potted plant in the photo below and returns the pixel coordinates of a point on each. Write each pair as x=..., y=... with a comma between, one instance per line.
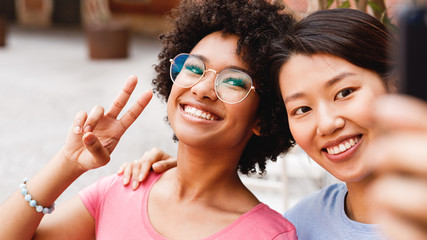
x=34, y=13
x=106, y=38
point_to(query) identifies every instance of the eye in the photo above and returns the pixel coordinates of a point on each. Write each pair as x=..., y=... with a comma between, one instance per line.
x=194, y=69
x=301, y=110
x=344, y=93
x=235, y=82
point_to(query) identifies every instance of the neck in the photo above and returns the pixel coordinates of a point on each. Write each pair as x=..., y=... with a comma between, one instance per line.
x=203, y=174
x=357, y=206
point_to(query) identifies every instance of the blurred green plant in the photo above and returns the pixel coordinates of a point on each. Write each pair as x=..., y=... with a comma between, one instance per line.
x=377, y=8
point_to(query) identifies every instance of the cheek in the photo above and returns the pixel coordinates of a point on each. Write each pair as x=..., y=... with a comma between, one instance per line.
x=246, y=117
x=301, y=132
x=362, y=110
x=171, y=107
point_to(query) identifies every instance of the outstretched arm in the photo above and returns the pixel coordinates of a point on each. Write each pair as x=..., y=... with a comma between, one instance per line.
x=138, y=170
x=89, y=144
x=399, y=156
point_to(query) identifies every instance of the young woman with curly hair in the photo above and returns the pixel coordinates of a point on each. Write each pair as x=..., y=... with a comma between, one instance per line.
x=221, y=106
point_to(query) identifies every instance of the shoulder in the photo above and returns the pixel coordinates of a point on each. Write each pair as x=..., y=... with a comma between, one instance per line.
x=320, y=197
x=316, y=210
x=317, y=203
x=113, y=184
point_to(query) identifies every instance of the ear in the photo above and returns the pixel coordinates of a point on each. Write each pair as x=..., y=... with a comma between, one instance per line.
x=257, y=128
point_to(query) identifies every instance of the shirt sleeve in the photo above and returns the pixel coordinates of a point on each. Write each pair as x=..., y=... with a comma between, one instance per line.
x=93, y=195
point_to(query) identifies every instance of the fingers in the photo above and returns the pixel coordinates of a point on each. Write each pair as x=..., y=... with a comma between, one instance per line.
x=398, y=192
x=76, y=130
x=135, y=174
x=78, y=122
x=164, y=165
x=137, y=171
x=99, y=153
x=120, y=102
x=131, y=171
x=407, y=156
x=400, y=112
x=157, y=160
x=403, y=196
x=399, y=203
x=136, y=109
x=93, y=118
x=400, y=229
x=127, y=173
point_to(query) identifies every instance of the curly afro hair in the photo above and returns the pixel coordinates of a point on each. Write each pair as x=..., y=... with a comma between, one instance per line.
x=256, y=22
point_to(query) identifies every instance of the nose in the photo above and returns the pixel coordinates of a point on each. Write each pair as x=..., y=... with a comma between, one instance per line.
x=205, y=88
x=328, y=120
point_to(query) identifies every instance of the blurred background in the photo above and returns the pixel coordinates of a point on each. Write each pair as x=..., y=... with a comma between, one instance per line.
x=60, y=56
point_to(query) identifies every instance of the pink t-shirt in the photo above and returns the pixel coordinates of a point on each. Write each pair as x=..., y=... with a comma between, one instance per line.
x=121, y=213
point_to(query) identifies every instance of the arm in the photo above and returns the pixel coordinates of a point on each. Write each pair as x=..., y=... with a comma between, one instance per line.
x=399, y=155
x=89, y=144
x=154, y=159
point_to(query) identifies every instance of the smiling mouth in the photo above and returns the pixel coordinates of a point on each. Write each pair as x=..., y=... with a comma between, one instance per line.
x=200, y=113
x=343, y=146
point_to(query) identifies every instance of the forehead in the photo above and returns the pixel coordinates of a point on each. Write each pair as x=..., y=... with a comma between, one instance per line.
x=218, y=49
x=302, y=72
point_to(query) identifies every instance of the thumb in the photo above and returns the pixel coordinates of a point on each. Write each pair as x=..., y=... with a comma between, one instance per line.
x=94, y=146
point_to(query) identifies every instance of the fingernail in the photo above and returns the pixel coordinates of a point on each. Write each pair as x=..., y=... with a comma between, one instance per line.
x=134, y=184
x=89, y=140
x=77, y=129
x=141, y=176
x=88, y=128
x=125, y=180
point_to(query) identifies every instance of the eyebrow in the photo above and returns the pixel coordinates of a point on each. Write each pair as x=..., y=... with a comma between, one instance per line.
x=205, y=60
x=338, y=78
x=328, y=84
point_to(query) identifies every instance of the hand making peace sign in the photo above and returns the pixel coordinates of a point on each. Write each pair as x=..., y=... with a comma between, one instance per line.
x=93, y=137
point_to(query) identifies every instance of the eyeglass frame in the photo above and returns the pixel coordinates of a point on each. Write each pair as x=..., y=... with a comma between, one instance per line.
x=172, y=61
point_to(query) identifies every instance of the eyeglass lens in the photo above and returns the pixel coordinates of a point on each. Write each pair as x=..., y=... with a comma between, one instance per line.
x=231, y=85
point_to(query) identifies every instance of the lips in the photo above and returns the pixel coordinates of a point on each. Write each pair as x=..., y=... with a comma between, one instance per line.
x=343, y=146
x=200, y=113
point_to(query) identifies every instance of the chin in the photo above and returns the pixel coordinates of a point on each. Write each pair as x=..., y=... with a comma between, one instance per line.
x=354, y=178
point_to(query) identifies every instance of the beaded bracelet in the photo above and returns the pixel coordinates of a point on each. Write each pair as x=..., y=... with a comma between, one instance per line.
x=32, y=202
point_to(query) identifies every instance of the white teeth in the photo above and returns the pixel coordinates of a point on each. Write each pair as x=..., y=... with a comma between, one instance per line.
x=198, y=113
x=347, y=145
x=336, y=150
x=342, y=147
